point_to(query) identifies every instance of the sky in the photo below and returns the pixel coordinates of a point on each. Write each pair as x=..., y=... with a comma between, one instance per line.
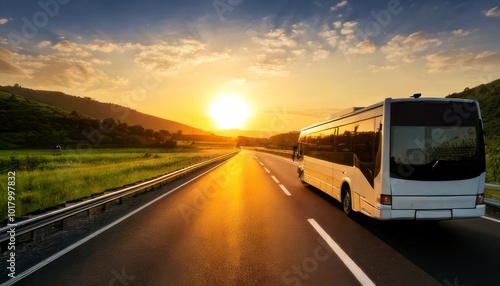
x=292, y=62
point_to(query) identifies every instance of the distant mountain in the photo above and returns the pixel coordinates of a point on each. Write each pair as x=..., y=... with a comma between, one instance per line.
x=99, y=110
x=488, y=96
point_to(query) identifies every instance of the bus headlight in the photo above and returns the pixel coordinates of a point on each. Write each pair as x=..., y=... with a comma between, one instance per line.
x=480, y=199
x=385, y=199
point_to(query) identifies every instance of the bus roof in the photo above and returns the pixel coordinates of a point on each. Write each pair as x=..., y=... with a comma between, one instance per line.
x=356, y=110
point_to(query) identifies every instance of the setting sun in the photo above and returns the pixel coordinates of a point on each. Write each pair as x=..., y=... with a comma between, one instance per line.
x=229, y=111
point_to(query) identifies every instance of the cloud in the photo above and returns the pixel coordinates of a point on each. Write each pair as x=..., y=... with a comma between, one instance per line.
x=65, y=65
x=103, y=46
x=43, y=44
x=320, y=55
x=460, y=32
x=459, y=61
x=348, y=28
x=342, y=36
x=271, y=67
x=362, y=48
x=275, y=40
x=493, y=12
x=101, y=62
x=3, y=21
x=338, y=6
x=70, y=48
x=172, y=56
x=331, y=37
x=238, y=80
x=377, y=68
x=6, y=67
x=275, y=50
x=406, y=49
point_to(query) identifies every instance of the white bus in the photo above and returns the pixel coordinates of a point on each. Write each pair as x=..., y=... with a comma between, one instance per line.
x=409, y=158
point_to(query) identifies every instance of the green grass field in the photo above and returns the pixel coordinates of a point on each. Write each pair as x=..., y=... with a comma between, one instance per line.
x=45, y=178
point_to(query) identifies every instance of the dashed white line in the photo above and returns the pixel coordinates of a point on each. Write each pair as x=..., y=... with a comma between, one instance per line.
x=490, y=218
x=285, y=190
x=358, y=273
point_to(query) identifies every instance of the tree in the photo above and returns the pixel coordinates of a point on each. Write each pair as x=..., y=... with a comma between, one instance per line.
x=148, y=133
x=159, y=137
x=178, y=135
x=137, y=130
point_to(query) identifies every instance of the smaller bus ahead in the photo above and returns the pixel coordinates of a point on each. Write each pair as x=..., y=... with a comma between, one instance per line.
x=411, y=158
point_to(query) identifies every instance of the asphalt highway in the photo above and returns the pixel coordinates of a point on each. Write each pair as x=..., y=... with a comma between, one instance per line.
x=251, y=222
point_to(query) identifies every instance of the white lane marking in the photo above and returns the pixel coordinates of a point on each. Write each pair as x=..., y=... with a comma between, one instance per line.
x=285, y=190
x=262, y=164
x=267, y=170
x=275, y=179
x=490, y=218
x=358, y=273
x=83, y=240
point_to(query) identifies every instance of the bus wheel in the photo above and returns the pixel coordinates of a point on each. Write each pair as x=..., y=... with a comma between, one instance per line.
x=301, y=177
x=346, y=202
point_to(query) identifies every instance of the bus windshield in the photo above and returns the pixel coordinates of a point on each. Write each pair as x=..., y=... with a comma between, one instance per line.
x=435, y=141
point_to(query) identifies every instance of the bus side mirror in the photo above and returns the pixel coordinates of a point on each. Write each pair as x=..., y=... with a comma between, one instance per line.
x=294, y=152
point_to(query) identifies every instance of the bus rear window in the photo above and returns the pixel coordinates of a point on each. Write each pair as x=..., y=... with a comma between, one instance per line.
x=435, y=141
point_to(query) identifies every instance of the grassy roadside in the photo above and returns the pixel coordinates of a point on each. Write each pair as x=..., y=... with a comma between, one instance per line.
x=44, y=179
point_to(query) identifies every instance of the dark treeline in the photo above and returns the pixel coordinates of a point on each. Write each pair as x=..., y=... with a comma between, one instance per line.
x=284, y=141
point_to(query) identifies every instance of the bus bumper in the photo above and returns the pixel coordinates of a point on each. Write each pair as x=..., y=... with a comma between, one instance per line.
x=386, y=213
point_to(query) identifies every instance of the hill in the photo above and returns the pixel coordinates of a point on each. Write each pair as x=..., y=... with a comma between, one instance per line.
x=31, y=123
x=99, y=110
x=28, y=123
x=488, y=96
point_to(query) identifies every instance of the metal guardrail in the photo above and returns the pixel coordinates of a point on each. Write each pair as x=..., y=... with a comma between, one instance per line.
x=32, y=224
x=492, y=186
x=492, y=202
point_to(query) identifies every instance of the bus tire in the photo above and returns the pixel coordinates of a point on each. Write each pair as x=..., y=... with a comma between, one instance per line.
x=347, y=202
x=301, y=177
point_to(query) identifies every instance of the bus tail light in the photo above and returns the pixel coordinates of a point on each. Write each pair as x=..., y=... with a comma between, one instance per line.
x=385, y=199
x=480, y=199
